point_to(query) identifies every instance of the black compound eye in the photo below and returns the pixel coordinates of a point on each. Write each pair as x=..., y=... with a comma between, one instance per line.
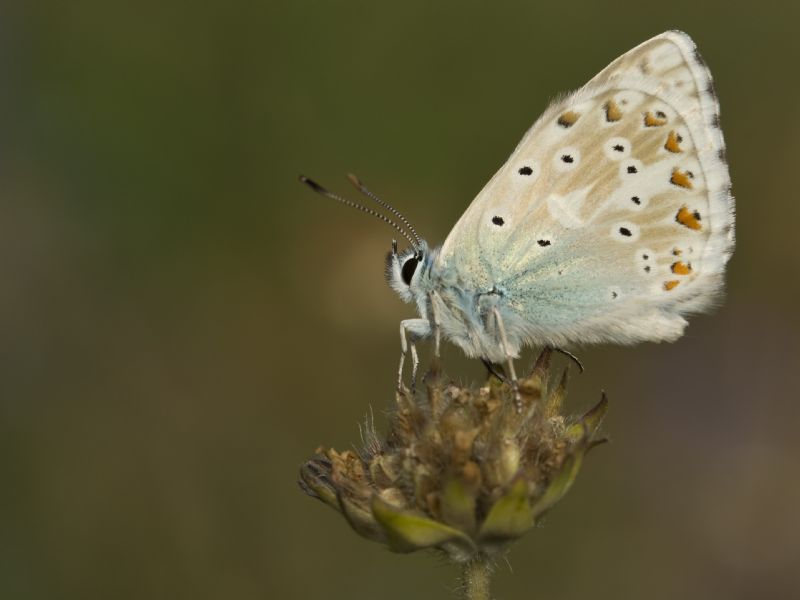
x=409, y=267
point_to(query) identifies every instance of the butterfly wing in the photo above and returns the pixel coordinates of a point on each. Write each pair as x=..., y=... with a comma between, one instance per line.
x=613, y=217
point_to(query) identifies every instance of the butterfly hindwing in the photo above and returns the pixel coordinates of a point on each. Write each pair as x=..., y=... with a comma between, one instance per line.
x=613, y=216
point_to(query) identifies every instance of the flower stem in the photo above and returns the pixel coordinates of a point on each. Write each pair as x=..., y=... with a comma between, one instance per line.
x=476, y=575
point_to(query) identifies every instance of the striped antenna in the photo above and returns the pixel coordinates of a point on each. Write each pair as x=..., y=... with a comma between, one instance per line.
x=321, y=190
x=363, y=189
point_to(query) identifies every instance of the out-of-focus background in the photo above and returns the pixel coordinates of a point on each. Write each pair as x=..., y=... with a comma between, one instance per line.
x=183, y=323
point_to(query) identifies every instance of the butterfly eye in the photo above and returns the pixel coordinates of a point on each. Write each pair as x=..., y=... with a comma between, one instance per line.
x=409, y=267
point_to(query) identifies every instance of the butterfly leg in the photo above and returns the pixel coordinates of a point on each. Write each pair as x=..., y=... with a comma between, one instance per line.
x=571, y=356
x=494, y=370
x=510, y=361
x=410, y=331
x=437, y=336
x=414, y=366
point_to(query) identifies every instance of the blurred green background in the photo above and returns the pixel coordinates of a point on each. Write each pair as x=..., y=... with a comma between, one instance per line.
x=183, y=323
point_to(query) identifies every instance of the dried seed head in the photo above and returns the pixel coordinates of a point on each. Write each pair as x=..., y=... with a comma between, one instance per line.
x=461, y=469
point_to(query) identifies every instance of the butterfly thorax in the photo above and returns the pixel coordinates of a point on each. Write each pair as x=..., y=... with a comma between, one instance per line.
x=463, y=313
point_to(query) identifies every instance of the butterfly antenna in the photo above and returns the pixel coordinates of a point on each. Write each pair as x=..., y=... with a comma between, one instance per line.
x=363, y=189
x=321, y=190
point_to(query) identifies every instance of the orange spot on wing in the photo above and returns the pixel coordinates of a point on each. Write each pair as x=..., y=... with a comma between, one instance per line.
x=681, y=268
x=668, y=285
x=688, y=218
x=681, y=178
x=651, y=120
x=613, y=113
x=568, y=119
x=673, y=142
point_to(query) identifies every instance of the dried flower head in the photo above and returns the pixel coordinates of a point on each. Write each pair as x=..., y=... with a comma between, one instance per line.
x=461, y=469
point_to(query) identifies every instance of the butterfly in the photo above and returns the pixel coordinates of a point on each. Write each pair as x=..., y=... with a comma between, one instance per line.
x=610, y=222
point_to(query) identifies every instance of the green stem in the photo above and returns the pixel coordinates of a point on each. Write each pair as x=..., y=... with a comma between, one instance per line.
x=476, y=575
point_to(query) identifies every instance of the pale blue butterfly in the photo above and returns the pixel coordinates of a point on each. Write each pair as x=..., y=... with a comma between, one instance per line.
x=611, y=221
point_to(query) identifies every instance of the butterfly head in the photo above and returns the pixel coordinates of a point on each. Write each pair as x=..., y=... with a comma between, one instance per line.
x=404, y=270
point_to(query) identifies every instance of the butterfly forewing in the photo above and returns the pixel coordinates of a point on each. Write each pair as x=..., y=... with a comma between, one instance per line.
x=613, y=216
